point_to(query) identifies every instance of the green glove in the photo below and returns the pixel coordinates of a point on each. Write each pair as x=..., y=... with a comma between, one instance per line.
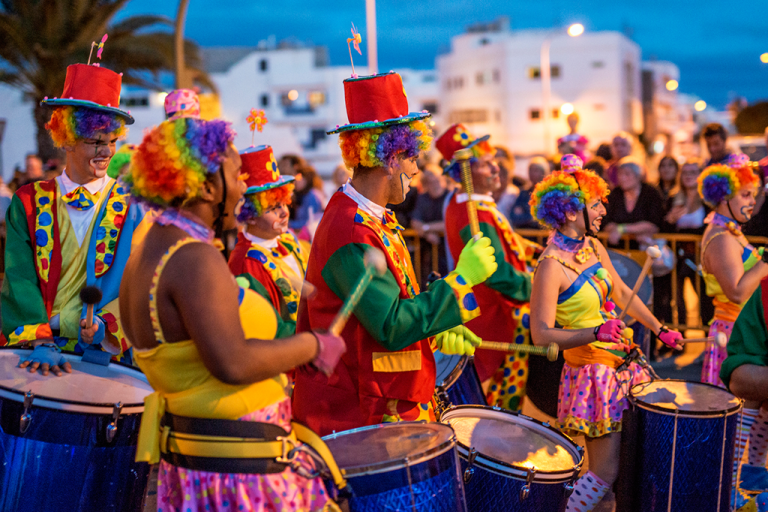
x=477, y=261
x=457, y=341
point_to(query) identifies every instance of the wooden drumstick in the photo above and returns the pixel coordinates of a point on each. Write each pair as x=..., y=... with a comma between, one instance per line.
x=90, y=295
x=720, y=338
x=375, y=263
x=550, y=351
x=462, y=157
x=653, y=252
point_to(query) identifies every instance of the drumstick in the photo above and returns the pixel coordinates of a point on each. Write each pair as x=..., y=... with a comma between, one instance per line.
x=90, y=295
x=720, y=338
x=375, y=263
x=653, y=252
x=550, y=351
x=462, y=157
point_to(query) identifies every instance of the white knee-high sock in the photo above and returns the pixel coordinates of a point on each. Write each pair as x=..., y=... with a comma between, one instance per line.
x=587, y=493
x=743, y=427
x=758, y=439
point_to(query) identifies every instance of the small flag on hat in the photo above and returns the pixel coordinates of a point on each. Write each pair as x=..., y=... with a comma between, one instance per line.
x=100, y=49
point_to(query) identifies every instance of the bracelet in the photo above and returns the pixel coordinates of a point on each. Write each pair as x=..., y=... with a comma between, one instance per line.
x=662, y=330
x=764, y=254
x=597, y=329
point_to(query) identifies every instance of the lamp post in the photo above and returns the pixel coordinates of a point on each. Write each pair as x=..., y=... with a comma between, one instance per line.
x=370, y=22
x=574, y=30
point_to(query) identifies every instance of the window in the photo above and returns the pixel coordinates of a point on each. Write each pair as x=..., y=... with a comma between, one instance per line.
x=535, y=114
x=263, y=65
x=458, y=82
x=430, y=107
x=479, y=78
x=497, y=115
x=138, y=101
x=484, y=41
x=534, y=72
x=428, y=78
x=468, y=116
x=264, y=100
x=316, y=98
x=555, y=113
x=448, y=85
x=597, y=64
x=496, y=76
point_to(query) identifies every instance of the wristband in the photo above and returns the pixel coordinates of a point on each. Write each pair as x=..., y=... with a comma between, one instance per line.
x=597, y=329
x=763, y=254
x=662, y=329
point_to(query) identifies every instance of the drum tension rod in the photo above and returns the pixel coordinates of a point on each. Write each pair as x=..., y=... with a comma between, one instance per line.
x=112, y=427
x=525, y=490
x=470, y=470
x=26, y=417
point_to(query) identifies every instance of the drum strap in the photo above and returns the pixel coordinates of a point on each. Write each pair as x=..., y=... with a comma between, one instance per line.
x=231, y=446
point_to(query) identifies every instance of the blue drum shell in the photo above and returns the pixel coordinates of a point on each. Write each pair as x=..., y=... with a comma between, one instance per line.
x=462, y=384
x=64, y=462
x=436, y=488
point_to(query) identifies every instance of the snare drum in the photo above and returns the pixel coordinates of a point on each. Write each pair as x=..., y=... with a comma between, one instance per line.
x=512, y=462
x=457, y=382
x=679, y=449
x=406, y=466
x=69, y=442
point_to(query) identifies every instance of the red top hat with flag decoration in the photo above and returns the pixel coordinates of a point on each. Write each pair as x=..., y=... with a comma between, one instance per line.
x=458, y=137
x=94, y=87
x=376, y=101
x=261, y=167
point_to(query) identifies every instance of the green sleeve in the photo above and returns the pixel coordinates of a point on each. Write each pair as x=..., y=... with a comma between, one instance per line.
x=393, y=322
x=285, y=328
x=749, y=340
x=22, y=301
x=507, y=280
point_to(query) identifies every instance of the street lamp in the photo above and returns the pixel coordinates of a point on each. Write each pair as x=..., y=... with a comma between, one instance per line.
x=574, y=30
x=764, y=58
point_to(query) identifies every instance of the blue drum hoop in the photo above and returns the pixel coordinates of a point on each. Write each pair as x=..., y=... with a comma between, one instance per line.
x=385, y=467
x=454, y=374
x=681, y=413
x=506, y=469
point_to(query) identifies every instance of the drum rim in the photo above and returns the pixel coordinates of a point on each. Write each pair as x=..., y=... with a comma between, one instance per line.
x=455, y=374
x=41, y=400
x=679, y=412
x=495, y=465
x=385, y=467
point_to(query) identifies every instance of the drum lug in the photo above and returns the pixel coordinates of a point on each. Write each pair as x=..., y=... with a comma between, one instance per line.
x=525, y=491
x=569, y=486
x=470, y=470
x=112, y=427
x=26, y=417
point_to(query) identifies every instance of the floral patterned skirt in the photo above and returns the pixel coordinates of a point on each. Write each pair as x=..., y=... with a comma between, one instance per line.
x=186, y=490
x=593, y=398
x=714, y=354
x=507, y=387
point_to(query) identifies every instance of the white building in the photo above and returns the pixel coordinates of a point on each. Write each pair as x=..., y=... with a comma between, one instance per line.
x=491, y=81
x=19, y=131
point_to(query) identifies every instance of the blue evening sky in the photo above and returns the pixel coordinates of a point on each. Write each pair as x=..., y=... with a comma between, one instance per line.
x=716, y=44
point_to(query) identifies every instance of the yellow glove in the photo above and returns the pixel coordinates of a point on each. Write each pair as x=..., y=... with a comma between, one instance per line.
x=458, y=341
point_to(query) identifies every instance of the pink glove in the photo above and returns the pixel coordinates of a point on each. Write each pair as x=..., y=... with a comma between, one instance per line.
x=670, y=338
x=330, y=348
x=610, y=331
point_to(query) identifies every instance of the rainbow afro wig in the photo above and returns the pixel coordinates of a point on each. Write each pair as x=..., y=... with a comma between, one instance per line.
x=719, y=182
x=566, y=191
x=479, y=150
x=254, y=205
x=71, y=124
x=380, y=147
x=175, y=158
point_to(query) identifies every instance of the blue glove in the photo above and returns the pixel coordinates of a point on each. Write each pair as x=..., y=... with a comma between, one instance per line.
x=98, y=338
x=47, y=353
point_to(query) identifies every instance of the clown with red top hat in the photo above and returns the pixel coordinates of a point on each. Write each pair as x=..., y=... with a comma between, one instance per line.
x=72, y=231
x=267, y=253
x=388, y=371
x=504, y=297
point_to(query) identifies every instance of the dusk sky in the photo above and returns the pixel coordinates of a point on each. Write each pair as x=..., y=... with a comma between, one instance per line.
x=717, y=45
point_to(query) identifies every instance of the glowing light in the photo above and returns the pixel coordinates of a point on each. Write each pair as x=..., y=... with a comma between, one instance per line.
x=161, y=97
x=764, y=58
x=672, y=85
x=700, y=105
x=293, y=95
x=658, y=147
x=576, y=30
x=566, y=109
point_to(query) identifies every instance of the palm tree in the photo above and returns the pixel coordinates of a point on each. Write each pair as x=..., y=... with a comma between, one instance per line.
x=40, y=38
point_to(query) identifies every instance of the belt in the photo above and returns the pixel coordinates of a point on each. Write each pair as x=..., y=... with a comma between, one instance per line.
x=231, y=446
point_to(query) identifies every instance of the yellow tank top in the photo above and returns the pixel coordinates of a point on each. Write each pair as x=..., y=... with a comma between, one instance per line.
x=724, y=308
x=182, y=383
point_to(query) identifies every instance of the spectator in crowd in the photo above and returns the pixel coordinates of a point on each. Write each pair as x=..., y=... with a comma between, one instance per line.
x=763, y=164
x=604, y=152
x=33, y=171
x=621, y=147
x=520, y=214
x=290, y=163
x=308, y=197
x=427, y=219
x=573, y=143
x=597, y=165
x=685, y=214
x=716, y=138
x=758, y=224
x=339, y=177
x=668, y=175
x=508, y=193
x=53, y=168
x=634, y=207
x=5, y=201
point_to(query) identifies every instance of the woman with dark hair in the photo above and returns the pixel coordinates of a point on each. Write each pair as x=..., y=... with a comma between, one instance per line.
x=669, y=171
x=308, y=197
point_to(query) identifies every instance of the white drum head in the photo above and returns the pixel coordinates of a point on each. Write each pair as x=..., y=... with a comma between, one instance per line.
x=89, y=388
x=689, y=397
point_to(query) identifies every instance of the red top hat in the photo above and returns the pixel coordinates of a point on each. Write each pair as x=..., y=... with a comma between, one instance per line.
x=374, y=101
x=261, y=167
x=92, y=87
x=455, y=138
